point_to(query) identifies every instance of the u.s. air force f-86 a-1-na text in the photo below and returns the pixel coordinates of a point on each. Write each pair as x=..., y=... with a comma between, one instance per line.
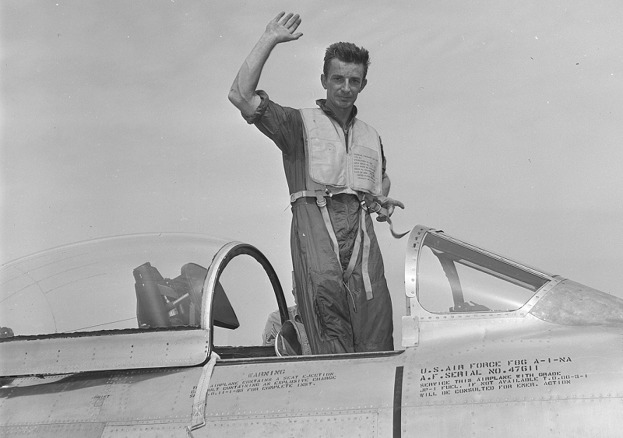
x=161, y=335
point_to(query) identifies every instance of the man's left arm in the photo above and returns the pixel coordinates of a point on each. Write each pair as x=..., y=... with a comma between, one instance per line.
x=388, y=204
x=387, y=184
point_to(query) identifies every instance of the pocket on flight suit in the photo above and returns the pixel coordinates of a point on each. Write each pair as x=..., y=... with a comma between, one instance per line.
x=331, y=306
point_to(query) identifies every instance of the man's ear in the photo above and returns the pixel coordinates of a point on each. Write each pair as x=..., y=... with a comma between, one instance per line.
x=323, y=81
x=363, y=85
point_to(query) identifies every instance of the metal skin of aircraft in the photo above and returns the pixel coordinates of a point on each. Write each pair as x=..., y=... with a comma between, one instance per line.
x=96, y=342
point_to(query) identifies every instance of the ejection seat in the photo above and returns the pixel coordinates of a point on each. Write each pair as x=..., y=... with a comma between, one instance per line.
x=163, y=302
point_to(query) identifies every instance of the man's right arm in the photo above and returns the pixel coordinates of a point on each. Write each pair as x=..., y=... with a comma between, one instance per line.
x=280, y=29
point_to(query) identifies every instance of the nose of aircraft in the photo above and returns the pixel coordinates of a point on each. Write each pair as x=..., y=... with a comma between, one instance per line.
x=571, y=303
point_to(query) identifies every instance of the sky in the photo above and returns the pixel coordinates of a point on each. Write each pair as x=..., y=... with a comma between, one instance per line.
x=502, y=123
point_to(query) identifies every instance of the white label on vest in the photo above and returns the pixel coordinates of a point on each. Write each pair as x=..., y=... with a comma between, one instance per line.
x=365, y=165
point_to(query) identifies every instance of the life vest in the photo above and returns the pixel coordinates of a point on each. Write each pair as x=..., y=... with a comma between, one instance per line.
x=337, y=166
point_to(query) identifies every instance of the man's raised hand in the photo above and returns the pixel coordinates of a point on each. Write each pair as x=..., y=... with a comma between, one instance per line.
x=283, y=27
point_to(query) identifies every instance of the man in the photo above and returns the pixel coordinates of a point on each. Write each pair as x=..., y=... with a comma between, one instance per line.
x=335, y=169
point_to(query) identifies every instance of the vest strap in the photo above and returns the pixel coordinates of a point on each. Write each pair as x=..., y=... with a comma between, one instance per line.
x=302, y=194
x=327, y=222
x=365, y=258
x=362, y=237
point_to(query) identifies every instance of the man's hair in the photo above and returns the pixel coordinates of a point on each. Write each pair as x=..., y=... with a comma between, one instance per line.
x=346, y=52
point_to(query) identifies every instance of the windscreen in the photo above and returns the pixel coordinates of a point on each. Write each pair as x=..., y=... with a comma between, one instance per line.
x=457, y=278
x=129, y=282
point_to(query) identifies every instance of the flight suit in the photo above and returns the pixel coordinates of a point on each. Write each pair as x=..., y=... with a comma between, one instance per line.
x=339, y=316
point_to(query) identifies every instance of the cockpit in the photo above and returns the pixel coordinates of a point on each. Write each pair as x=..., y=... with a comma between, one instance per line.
x=126, y=289
x=155, y=300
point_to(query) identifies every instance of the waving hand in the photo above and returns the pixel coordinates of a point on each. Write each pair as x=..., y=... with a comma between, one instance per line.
x=280, y=29
x=283, y=27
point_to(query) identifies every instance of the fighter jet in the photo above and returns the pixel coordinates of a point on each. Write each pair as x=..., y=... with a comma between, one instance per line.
x=165, y=335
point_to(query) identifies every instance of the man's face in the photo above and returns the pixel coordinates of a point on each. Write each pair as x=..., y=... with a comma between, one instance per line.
x=343, y=82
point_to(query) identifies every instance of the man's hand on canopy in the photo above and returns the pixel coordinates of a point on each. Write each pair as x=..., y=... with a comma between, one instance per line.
x=388, y=205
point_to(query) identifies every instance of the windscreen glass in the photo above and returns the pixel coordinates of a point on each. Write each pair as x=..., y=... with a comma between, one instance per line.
x=456, y=278
x=129, y=282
